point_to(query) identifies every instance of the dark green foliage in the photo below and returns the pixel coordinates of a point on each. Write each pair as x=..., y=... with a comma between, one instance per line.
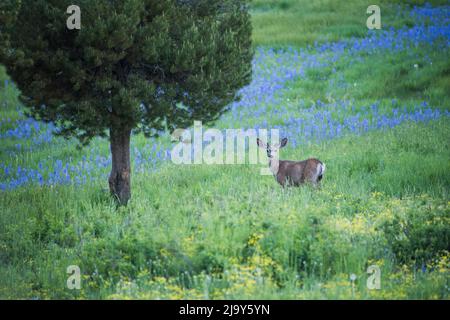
x=419, y=235
x=143, y=64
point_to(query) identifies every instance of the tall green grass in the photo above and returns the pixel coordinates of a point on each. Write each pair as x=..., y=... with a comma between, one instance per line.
x=385, y=204
x=226, y=231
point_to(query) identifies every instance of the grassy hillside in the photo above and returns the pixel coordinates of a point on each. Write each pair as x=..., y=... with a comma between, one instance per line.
x=374, y=106
x=300, y=23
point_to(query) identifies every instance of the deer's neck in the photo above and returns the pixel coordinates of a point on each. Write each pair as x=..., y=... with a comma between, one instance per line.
x=274, y=165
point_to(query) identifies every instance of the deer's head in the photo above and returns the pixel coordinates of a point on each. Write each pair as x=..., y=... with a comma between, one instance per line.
x=272, y=150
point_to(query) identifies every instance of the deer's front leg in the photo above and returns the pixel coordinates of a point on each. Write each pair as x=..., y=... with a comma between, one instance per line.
x=281, y=180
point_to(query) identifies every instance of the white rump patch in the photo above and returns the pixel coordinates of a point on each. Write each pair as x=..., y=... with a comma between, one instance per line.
x=320, y=169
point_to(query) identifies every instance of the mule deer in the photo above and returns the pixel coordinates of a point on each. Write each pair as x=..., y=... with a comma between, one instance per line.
x=292, y=172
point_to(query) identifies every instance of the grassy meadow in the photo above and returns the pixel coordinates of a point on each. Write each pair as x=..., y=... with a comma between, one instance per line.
x=374, y=105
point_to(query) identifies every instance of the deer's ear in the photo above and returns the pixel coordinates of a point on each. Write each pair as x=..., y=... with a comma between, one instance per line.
x=260, y=143
x=283, y=142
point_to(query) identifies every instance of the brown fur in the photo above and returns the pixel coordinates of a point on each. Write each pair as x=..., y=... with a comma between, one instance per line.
x=293, y=173
x=298, y=172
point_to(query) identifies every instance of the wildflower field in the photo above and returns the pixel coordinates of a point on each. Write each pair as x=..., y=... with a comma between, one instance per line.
x=374, y=105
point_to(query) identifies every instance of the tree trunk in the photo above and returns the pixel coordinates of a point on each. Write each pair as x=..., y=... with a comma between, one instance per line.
x=119, y=179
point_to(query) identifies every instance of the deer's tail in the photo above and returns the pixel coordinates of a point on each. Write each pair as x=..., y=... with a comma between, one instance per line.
x=321, y=169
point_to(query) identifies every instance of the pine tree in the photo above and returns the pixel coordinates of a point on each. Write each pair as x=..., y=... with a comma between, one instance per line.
x=135, y=65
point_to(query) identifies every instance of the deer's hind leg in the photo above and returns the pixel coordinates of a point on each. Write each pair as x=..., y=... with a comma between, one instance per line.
x=314, y=180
